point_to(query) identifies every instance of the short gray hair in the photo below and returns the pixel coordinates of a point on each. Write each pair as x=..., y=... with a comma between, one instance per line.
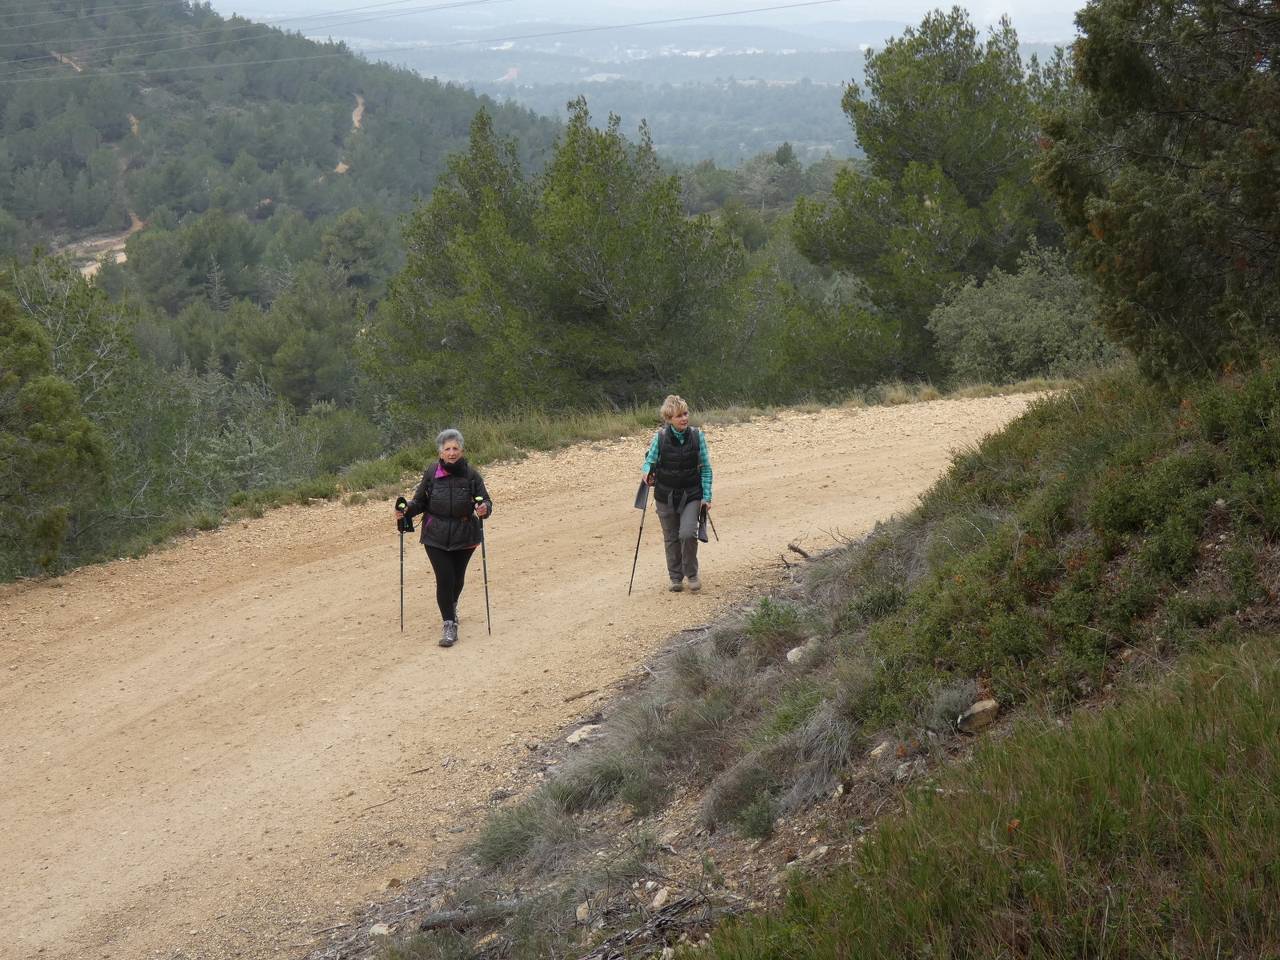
x=444, y=436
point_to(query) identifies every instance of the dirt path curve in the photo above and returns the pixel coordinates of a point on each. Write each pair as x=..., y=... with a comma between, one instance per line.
x=223, y=747
x=357, y=119
x=96, y=247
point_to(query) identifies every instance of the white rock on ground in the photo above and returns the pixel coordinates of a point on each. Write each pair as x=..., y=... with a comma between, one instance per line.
x=660, y=898
x=980, y=715
x=588, y=731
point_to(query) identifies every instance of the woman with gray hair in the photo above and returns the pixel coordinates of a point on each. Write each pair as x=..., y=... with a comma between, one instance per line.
x=453, y=497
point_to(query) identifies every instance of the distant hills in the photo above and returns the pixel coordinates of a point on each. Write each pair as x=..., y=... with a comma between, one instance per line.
x=711, y=88
x=111, y=108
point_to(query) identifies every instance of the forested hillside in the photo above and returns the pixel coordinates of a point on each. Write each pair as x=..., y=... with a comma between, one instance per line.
x=167, y=109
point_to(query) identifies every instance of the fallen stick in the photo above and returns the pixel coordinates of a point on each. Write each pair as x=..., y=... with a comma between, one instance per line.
x=316, y=933
x=468, y=917
x=666, y=917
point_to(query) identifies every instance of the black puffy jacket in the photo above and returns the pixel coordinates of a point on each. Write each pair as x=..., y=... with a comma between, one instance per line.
x=447, y=498
x=678, y=473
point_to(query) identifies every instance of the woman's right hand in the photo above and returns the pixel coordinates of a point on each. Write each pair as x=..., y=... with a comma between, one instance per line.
x=647, y=479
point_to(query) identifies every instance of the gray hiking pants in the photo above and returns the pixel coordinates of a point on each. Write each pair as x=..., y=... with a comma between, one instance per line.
x=680, y=533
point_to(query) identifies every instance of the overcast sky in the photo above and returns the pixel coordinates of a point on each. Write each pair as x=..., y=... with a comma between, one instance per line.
x=1051, y=20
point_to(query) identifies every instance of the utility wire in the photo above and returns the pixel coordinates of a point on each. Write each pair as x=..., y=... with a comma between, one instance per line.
x=267, y=24
x=115, y=48
x=104, y=13
x=426, y=47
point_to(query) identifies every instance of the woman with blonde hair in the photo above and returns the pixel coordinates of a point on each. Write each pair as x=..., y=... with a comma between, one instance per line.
x=454, y=499
x=679, y=469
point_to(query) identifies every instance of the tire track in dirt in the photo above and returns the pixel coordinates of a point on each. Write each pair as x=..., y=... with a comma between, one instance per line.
x=221, y=748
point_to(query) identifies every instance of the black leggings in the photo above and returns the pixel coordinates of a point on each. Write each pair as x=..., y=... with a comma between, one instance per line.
x=451, y=569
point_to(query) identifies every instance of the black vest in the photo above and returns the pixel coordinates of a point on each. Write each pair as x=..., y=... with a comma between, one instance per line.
x=678, y=475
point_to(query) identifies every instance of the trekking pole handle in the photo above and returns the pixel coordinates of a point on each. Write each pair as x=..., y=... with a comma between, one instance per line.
x=403, y=524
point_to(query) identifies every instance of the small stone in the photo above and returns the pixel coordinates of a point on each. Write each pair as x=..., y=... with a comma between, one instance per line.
x=906, y=770
x=980, y=715
x=380, y=930
x=795, y=654
x=660, y=898
x=650, y=886
x=668, y=953
x=588, y=731
x=583, y=912
x=882, y=750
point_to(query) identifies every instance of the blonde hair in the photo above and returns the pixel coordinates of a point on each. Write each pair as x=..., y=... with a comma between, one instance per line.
x=672, y=407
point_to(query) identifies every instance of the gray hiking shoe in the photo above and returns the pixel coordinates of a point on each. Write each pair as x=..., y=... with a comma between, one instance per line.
x=449, y=635
x=695, y=584
x=676, y=586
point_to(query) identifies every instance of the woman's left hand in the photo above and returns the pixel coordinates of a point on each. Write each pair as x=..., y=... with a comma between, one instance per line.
x=482, y=510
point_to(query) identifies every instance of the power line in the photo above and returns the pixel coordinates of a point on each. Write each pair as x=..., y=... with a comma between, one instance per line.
x=118, y=47
x=427, y=47
x=90, y=16
x=249, y=26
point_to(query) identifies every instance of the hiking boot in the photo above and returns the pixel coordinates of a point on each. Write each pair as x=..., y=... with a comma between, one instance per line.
x=676, y=586
x=449, y=635
x=695, y=584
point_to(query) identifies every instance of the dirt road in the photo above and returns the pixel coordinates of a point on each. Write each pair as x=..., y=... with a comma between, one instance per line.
x=97, y=247
x=224, y=747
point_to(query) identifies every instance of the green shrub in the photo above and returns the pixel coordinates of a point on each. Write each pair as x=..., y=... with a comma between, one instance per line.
x=876, y=601
x=1037, y=322
x=206, y=521
x=774, y=627
x=533, y=830
x=757, y=818
x=1151, y=830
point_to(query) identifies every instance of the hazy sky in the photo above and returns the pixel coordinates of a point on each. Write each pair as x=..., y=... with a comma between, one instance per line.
x=1051, y=20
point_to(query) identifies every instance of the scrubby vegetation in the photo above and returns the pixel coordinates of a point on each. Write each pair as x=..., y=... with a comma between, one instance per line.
x=1111, y=525
x=1148, y=830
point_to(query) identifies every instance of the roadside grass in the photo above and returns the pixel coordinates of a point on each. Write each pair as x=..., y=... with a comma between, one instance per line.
x=512, y=436
x=489, y=439
x=1151, y=829
x=1107, y=518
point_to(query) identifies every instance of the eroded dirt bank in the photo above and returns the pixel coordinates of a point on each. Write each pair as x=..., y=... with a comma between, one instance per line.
x=222, y=748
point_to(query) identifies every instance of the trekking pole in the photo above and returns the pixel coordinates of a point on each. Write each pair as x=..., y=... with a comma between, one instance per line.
x=641, y=504
x=713, y=525
x=484, y=566
x=401, y=506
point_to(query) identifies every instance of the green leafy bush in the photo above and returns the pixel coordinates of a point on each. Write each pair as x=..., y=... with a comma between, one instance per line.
x=1035, y=322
